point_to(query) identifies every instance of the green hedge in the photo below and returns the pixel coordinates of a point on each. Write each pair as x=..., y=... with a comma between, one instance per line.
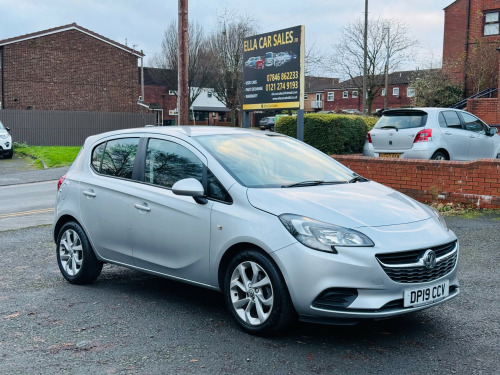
x=332, y=134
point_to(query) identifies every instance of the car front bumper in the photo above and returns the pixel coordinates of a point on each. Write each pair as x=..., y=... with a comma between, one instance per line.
x=310, y=273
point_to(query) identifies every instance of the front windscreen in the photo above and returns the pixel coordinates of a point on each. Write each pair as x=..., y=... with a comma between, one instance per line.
x=273, y=161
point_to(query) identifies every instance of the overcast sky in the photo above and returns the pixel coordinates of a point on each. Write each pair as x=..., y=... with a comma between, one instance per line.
x=141, y=23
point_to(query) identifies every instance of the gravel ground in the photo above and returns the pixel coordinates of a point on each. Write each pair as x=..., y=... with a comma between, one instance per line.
x=132, y=323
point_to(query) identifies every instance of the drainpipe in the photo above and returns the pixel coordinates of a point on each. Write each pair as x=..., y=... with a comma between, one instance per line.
x=467, y=32
x=2, y=106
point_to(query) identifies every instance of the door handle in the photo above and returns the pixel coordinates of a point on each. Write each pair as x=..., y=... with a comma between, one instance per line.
x=142, y=208
x=472, y=136
x=447, y=133
x=89, y=193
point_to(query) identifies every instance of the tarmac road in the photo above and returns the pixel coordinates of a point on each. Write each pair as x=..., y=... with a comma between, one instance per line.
x=133, y=323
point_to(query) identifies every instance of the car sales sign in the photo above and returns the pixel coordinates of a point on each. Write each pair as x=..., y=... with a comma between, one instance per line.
x=273, y=70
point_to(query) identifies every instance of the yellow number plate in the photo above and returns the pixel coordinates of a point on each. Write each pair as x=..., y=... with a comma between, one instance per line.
x=392, y=156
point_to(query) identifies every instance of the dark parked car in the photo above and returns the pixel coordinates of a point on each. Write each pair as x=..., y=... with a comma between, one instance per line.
x=267, y=123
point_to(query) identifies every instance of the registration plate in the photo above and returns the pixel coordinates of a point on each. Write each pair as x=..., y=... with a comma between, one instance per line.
x=426, y=295
x=392, y=156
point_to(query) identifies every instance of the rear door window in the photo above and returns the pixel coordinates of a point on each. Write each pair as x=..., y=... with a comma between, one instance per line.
x=451, y=119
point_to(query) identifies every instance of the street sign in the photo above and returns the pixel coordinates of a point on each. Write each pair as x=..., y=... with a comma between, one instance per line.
x=273, y=70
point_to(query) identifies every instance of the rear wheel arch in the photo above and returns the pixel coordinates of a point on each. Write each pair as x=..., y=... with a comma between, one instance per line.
x=440, y=151
x=60, y=223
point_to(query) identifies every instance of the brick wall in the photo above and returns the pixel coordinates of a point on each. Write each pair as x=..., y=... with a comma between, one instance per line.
x=475, y=182
x=69, y=70
x=455, y=36
x=486, y=109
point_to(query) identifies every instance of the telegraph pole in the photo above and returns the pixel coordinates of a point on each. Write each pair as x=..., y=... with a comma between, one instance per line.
x=365, y=56
x=387, y=69
x=182, y=78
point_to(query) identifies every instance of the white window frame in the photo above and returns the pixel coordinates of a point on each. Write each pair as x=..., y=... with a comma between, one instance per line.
x=305, y=96
x=491, y=23
x=383, y=92
x=354, y=94
x=345, y=95
x=410, y=92
x=395, y=91
x=171, y=92
x=330, y=96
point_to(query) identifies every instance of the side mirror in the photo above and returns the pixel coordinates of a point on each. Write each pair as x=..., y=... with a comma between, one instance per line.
x=8, y=129
x=492, y=131
x=190, y=187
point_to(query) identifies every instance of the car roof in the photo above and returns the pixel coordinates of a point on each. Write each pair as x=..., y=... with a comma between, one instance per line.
x=189, y=131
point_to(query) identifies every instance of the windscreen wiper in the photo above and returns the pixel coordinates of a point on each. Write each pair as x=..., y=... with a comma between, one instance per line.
x=313, y=183
x=358, y=179
x=389, y=127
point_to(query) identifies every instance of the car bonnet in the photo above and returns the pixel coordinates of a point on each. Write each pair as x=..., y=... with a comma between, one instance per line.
x=362, y=204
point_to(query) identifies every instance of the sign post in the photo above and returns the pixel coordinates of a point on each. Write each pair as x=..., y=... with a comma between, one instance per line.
x=273, y=73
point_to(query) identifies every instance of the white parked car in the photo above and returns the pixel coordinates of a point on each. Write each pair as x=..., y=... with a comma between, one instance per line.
x=432, y=133
x=6, y=147
x=281, y=229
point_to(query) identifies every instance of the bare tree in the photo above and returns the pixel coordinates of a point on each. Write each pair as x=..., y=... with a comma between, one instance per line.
x=226, y=54
x=481, y=67
x=199, y=68
x=347, y=58
x=434, y=88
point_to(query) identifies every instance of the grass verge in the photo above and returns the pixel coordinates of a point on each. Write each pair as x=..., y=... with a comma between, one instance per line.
x=49, y=156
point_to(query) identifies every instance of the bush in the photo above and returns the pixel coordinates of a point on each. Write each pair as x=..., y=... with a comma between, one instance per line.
x=332, y=134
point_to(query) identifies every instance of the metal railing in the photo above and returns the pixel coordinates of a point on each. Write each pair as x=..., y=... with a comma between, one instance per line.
x=462, y=103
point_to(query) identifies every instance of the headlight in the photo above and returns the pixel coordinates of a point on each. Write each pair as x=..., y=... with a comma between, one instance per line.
x=440, y=218
x=322, y=236
x=4, y=136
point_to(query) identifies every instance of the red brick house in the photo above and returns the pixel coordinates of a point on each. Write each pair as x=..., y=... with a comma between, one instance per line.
x=314, y=88
x=347, y=95
x=471, y=37
x=68, y=68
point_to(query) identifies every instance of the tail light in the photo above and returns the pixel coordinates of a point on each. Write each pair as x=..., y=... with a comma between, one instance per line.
x=368, y=137
x=424, y=135
x=61, y=180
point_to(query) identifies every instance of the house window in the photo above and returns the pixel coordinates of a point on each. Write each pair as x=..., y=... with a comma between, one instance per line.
x=345, y=94
x=209, y=93
x=331, y=96
x=410, y=92
x=395, y=91
x=354, y=94
x=491, y=23
x=171, y=92
x=382, y=93
x=305, y=96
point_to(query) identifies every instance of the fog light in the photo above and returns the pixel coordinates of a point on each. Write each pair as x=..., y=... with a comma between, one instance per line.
x=335, y=298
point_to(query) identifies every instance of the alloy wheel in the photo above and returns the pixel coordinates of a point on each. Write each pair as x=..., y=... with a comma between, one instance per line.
x=71, y=252
x=251, y=293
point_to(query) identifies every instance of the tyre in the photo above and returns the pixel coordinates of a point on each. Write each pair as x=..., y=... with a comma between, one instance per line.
x=75, y=256
x=438, y=155
x=257, y=296
x=10, y=154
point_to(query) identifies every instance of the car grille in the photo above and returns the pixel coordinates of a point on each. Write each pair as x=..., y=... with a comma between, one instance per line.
x=407, y=267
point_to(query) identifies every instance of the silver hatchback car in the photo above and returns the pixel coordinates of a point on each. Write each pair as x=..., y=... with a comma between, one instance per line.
x=432, y=133
x=281, y=229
